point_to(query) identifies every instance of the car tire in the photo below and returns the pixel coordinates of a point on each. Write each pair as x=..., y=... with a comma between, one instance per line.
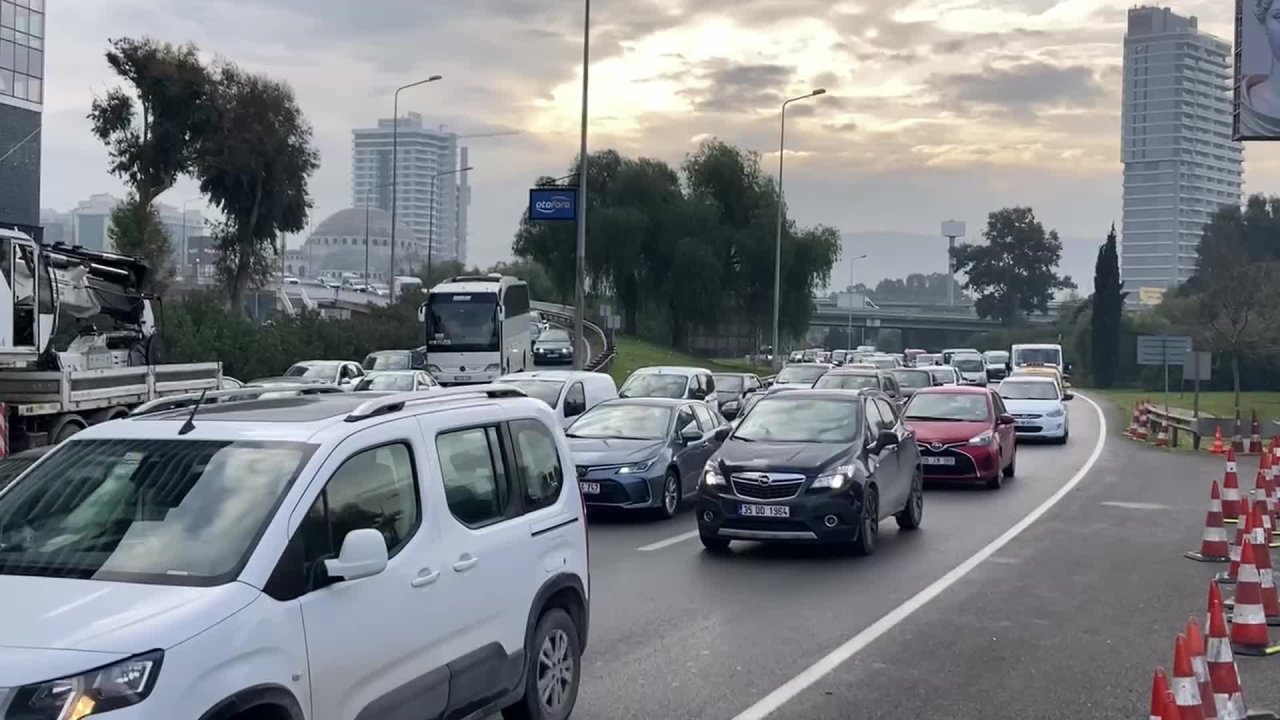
x=1013, y=462
x=714, y=544
x=995, y=481
x=913, y=513
x=1066, y=435
x=554, y=650
x=869, y=525
x=672, y=496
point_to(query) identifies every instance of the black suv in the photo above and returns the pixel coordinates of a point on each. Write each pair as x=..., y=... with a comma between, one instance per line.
x=815, y=466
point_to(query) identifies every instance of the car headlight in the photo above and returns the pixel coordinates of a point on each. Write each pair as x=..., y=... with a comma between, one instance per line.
x=492, y=368
x=985, y=438
x=711, y=475
x=433, y=368
x=836, y=479
x=1055, y=413
x=115, y=686
x=637, y=468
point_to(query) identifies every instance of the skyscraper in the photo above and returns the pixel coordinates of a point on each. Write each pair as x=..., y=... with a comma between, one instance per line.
x=21, y=101
x=1180, y=164
x=424, y=155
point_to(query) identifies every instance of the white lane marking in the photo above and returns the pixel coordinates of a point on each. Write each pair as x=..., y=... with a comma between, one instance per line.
x=824, y=666
x=1134, y=505
x=669, y=541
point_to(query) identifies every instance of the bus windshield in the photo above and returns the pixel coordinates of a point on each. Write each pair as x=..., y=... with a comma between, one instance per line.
x=463, y=322
x=1037, y=356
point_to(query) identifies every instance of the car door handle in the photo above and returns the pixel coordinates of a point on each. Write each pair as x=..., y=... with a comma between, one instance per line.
x=465, y=563
x=426, y=576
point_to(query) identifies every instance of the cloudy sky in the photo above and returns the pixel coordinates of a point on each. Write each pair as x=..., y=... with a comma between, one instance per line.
x=935, y=108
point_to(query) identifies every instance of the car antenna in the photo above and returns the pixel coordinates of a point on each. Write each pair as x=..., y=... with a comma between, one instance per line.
x=190, y=424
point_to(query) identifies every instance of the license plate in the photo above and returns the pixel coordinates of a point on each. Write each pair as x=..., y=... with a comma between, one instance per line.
x=590, y=488
x=937, y=460
x=462, y=378
x=776, y=511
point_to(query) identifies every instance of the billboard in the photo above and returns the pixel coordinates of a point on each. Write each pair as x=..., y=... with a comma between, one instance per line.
x=553, y=204
x=1150, y=295
x=1257, y=70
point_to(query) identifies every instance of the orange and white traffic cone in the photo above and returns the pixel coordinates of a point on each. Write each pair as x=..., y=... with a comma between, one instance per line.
x=1132, y=430
x=1255, y=434
x=1249, y=634
x=1224, y=676
x=1214, y=545
x=1195, y=647
x=1231, y=489
x=1243, y=532
x=1162, y=435
x=1144, y=423
x=1266, y=579
x=1185, y=687
x=1159, y=688
x=1219, y=447
x=1237, y=443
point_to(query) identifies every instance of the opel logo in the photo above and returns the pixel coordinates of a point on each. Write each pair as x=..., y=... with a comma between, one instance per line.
x=764, y=479
x=935, y=446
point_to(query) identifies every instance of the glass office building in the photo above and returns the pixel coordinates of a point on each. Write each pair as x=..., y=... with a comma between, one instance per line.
x=22, y=88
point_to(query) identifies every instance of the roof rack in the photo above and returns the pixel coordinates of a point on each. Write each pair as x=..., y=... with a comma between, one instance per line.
x=397, y=401
x=177, y=402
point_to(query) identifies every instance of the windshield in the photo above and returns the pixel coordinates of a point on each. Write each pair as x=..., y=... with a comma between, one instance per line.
x=784, y=419
x=548, y=391
x=997, y=357
x=654, y=385
x=948, y=406
x=1019, y=390
x=912, y=379
x=942, y=374
x=1037, y=356
x=554, y=335
x=389, y=381
x=847, y=382
x=731, y=384
x=171, y=512
x=463, y=322
x=387, y=361
x=313, y=371
x=968, y=363
x=622, y=422
x=799, y=375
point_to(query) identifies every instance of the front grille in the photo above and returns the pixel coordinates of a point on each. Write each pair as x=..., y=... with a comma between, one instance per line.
x=765, y=524
x=1030, y=416
x=964, y=464
x=1029, y=428
x=779, y=486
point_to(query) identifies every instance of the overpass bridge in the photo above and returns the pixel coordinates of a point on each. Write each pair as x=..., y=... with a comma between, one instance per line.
x=922, y=324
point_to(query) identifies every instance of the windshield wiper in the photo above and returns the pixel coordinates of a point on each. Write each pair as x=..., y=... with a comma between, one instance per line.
x=742, y=438
x=927, y=418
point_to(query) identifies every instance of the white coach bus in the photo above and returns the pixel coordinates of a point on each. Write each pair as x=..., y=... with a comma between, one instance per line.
x=477, y=329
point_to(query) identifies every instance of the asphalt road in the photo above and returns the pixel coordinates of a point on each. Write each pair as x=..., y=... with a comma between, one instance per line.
x=679, y=633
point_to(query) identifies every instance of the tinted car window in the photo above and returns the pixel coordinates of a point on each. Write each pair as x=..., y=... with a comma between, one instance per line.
x=875, y=421
x=475, y=484
x=732, y=384
x=887, y=412
x=541, y=476
x=684, y=419
x=705, y=420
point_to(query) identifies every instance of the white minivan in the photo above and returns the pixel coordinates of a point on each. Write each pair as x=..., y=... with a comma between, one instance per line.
x=333, y=556
x=570, y=393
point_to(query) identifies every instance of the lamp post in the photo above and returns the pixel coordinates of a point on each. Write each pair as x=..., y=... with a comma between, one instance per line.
x=580, y=273
x=848, y=338
x=777, y=259
x=186, y=251
x=395, y=169
x=431, y=219
x=367, y=192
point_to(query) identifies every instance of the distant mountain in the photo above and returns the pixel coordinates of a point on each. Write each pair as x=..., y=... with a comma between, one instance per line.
x=896, y=255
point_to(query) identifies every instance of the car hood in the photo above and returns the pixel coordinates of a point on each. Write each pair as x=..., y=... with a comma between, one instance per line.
x=947, y=432
x=593, y=452
x=94, y=616
x=1029, y=407
x=808, y=458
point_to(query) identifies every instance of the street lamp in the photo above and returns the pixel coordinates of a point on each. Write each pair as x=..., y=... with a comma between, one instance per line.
x=580, y=273
x=395, y=169
x=431, y=220
x=186, y=251
x=848, y=338
x=366, y=230
x=777, y=260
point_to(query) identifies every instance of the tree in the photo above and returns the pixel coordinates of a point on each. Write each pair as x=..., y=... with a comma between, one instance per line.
x=150, y=127
x=1015, y=273
x=1107, y=309
x=253, y=164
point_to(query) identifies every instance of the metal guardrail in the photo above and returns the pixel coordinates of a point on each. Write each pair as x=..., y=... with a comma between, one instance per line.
x=1176, y=420
x=600, y=361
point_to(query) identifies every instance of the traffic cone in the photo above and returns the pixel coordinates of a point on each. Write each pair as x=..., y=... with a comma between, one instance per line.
x=1218, y=447
x=1266, y=578
x=1159, y=688
x=1224, y=676
x=1214, y=545
x=1144, y=422
x=1132, y=430
x=1262, y=519
x=1243, y=531
x=1255, y=434
x=1237, y=443
x=1249, y=634
x=1171, y=711
x=1231, y=489
x=1185, y=687
x=1195, y=647
x=1162, y=435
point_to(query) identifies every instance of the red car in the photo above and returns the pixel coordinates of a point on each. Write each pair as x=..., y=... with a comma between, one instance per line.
x=964, y=433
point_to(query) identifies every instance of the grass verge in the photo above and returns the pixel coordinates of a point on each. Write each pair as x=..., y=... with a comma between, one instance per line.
x=634, y=353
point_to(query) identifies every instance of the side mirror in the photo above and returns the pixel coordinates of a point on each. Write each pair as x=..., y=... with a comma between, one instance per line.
x=690, y=434
x=363, y=554
x=1005, y=419
x=886, y=439
x=722, y=434
x=728, y=414
x=1068, y=396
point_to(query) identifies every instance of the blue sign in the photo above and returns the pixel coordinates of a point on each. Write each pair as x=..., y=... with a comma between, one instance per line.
x=553, y=204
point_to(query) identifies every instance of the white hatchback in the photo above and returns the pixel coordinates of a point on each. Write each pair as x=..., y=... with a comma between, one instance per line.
x=328, y=557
